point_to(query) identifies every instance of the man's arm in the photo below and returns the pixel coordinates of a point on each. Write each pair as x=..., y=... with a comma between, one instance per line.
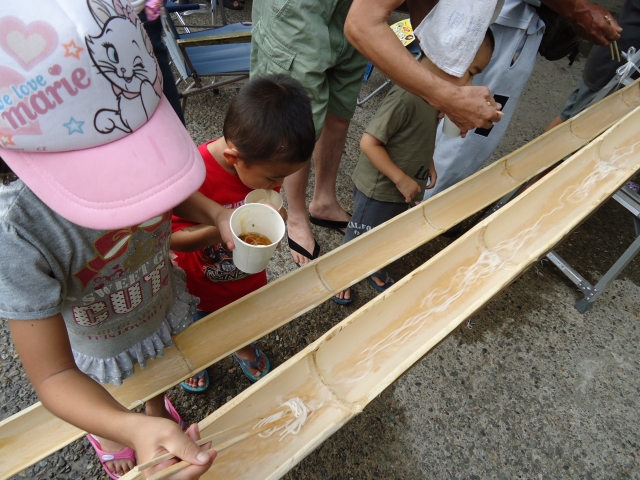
x=418, y=9
x=590, y=21
x=367, y=29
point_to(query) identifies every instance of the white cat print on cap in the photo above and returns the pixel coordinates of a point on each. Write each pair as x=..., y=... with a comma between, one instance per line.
x=83, y=121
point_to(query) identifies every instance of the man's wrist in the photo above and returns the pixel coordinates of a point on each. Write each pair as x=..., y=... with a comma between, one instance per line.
x=442, y=94
x=568, y=9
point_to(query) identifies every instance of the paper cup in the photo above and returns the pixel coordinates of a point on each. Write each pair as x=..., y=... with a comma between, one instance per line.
x=265, y=196
x=449, y=128
x=255, y=218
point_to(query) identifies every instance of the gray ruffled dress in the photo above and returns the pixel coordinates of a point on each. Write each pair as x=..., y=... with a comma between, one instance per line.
x=120, y=295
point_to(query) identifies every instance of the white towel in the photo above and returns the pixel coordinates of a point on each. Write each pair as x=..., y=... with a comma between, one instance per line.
x=453, y=31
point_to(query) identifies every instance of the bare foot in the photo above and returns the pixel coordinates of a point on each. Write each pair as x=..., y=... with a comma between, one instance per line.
x=155, y=407
x=194, y=382
x=119, y=467
x=380, y=282
x=248, y=353
x=300, y=232
x=344, y=294
x=329, y=212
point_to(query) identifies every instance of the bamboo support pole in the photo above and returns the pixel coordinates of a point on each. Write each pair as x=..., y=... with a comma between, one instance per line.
x=357, y=359
x=34, y=433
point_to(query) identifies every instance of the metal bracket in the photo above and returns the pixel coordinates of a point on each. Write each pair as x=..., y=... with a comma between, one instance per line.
x=631, y=201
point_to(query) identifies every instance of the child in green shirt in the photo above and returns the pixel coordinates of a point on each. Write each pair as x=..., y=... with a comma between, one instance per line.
x=396, y=162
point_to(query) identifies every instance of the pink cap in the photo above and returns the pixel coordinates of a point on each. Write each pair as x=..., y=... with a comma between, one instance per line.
x=82, y=118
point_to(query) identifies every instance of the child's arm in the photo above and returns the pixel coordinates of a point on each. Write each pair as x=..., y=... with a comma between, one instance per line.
x=197, y=237
x=377, y=154
x=200, y=209
x=433, y=175
x=43, y=346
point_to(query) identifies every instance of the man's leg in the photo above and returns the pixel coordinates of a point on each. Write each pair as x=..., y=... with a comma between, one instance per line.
x=327, y=155
x=298, y=228
x=579, y=99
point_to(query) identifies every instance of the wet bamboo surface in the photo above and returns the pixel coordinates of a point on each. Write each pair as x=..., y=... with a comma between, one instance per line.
x=34, y=433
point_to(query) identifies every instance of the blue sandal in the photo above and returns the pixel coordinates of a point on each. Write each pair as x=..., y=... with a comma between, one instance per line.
x=344, y=301
x=197, y=376
x=384, y=276
x=255, y=364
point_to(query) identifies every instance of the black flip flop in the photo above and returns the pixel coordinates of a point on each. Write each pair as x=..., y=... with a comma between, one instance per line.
x=331, y=224
x=304, y=252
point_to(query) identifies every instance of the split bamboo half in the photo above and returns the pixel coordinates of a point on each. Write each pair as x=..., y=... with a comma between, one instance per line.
x=34, y=433
x=357, y=359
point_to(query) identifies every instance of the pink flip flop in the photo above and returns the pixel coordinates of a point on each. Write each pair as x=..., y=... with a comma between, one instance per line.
x=104, y=457
x=172, y=411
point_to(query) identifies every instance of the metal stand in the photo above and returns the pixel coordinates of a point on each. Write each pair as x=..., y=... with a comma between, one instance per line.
x=631, y=201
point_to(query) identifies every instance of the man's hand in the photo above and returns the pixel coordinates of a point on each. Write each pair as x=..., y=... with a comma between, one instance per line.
x=408, y=187
x=595, y=24
x=472, y=107
x=591, y=22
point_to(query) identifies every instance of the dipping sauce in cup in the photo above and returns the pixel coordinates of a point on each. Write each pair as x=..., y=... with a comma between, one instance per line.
x=252, y=225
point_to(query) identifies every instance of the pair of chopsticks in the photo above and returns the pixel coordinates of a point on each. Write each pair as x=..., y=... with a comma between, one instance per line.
x=614, y=45
x=136, y=472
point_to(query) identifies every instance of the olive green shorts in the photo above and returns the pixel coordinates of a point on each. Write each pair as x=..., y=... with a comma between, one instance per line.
x=305, y=39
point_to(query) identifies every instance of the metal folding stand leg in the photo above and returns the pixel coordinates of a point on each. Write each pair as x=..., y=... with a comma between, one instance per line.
x=631, y=201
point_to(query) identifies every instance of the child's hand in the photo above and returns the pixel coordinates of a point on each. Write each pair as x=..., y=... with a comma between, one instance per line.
x=408, y=187
x=223, y=222
x=433, y=176
x=158, y=436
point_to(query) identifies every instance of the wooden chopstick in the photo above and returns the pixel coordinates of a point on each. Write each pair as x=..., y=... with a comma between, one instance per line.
x=207, y=439
x=613, y=45
x=219, y=448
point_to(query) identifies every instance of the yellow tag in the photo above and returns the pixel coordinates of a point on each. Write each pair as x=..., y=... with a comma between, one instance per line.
x=404, y=32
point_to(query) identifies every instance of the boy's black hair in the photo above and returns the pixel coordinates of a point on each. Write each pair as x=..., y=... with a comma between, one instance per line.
x=6, y=174
x=271, y=119
x=492, y=40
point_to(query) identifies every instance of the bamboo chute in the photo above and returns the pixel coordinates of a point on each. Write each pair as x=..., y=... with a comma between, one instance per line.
x=34, y=433
x=361, y=356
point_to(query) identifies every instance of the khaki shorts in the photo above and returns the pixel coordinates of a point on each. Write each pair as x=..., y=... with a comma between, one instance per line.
x=305, y=39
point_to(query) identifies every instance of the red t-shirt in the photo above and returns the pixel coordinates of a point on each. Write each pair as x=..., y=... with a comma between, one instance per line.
x=211, y=274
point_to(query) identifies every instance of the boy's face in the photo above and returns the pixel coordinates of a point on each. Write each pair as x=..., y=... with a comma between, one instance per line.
x=267, y=175
x=477, y=66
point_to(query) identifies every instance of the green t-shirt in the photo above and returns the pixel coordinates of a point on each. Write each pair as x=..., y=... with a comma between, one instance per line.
x=406, y=125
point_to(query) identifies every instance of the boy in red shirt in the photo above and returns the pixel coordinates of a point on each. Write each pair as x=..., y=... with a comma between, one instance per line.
x=268, y=134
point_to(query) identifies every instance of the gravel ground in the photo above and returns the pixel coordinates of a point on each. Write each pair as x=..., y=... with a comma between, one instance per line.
x=533, y=390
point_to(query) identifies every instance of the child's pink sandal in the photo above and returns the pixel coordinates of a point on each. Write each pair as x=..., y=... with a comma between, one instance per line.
x=127, y=453
x=104, y=457
x=172, y=411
